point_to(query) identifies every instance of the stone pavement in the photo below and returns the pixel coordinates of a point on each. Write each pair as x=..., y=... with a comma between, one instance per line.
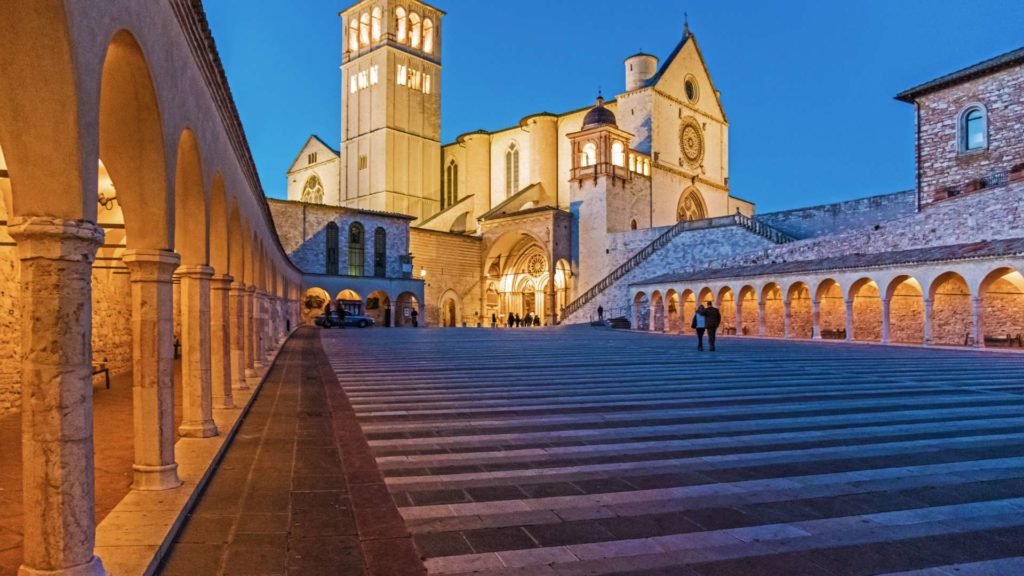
x=584, y=451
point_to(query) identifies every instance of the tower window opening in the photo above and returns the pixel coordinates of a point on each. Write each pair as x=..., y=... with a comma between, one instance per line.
x=511, y=169
x=401, y=25
x=403, y=75
x=353, y=35
x=589, y=157
x=618, y=154
x=416, y=30
x=364, y=30
x=375, y=24
x=428, y=36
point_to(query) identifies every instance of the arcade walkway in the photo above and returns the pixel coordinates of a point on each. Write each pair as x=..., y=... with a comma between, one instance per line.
x=584, y=451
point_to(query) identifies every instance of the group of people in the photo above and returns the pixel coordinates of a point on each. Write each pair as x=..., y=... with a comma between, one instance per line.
x=516, y=321
x=706, y=319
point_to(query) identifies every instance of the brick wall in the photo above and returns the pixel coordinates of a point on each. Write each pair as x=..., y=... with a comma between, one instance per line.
x=453, y=266
x=842, y=216
x=942, y=165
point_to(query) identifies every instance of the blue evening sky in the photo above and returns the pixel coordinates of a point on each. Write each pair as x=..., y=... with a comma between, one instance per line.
x=807, y=85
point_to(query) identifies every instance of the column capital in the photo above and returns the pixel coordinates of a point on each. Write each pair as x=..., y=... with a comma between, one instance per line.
x=198, y=272
x=250, y=288
x=151, y=265
x=55, y=238
x=222, y=282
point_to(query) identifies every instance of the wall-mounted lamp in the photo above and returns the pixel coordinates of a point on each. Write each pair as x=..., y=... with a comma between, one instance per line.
x=423, y=272
x=106, y=201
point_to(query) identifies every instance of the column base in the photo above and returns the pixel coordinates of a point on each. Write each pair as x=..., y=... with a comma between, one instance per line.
x=242, y=385
x=93, y=567
x=251, y=373
x=153, y=478
x=198, y=430
x=228, y=403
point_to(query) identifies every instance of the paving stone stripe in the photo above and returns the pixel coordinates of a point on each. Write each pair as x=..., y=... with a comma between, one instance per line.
x=586, y=451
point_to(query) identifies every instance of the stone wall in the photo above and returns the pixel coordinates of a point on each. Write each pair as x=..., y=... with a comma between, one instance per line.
x=10, y=326
x=942, y=164
x=112, y=320
x=842, y=216
x=452, y=263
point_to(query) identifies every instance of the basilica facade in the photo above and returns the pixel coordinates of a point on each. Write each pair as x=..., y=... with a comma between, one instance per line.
x=524, y=218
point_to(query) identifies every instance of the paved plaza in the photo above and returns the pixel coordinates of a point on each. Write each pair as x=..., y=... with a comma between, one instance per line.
x=586, y=451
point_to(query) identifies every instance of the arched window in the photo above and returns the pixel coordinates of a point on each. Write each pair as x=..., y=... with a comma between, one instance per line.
x=401, y=25
x=428, y=36
x=364, y=29
x=353, y=35
x=973, y=129
x=415, y=30
x=511, y=169
x=332, y=248
x=451, y=185
x=618, y=154
x=632, y=225
x=313, y=191
x=380, y=252
x=691, y=207
x=589, y=157
x=375, y=24
x=356, y=249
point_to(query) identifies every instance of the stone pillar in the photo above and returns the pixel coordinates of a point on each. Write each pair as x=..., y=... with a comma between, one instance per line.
x=977, y=324
x=153, y=367
x=760, y=318
x=196, y=377
x=257, y=329
x=927, y=322
x=220, y=341
x=849, y=320
x=786, y=318
x=236, y=330
x=56, y=389
x=885, y=320
x=249, y=333
x=739, y=317
x=552, y=303
x=816, y=319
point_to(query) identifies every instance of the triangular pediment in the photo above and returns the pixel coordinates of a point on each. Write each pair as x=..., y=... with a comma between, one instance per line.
x=686, y=61
x=313, y=145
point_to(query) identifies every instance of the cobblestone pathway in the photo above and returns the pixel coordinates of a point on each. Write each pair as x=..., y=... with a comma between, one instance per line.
x=581, y=451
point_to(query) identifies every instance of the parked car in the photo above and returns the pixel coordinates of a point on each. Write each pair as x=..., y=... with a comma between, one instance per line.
x=353, y=320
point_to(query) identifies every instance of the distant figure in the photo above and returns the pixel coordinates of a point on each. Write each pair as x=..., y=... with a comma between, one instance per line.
x=519, y=321
x=327, y=315
x=511, y=320
x=600, y=313
x=528, y=321
x=698, y=324
x=536, y=320
x=415, y=318
x=341, y=317
x=712, y=319
x=494, y=320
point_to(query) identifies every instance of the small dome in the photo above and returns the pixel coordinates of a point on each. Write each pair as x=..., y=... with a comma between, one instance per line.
x=599, y=116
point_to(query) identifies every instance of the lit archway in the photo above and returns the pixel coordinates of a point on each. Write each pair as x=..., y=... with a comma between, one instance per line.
x=450, y=310
x=314, y=302
x=689, y=308
x=350, y=301
x=407, y=310
x=657, y=312
x=867, y=310
x=673, y=313
x=378, y=307
x=748, y=311
x=1002, y=308
x=906, y=310
x=831, y=310
x=727, y=308
x=774, y=310
x=951, y=320
x=801, y=313
x=641, y=311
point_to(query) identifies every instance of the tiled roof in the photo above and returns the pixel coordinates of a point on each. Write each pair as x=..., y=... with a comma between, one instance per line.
x=984, y=249
x=1012, y=58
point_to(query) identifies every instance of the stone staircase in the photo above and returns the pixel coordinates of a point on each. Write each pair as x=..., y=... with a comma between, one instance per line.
x=752, y=225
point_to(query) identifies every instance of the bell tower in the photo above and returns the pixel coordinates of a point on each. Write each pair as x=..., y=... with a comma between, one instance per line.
x=391, y=107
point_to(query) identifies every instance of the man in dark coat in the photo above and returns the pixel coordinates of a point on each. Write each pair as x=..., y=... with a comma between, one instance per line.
x=712, y=319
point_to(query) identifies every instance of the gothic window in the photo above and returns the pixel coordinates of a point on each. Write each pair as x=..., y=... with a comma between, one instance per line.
x=332, y=248
x=451, y=185
x=313, y=191
x=511, y=169
x=589, y=157
x=618, y=154
x=356, y=249
x=364, y=29
x=973, y=129
x=632, y=225
x=401, y=25
x=380, y=252
x=415, y=30
x=690, y=207
x=428, y=36
x=353, y=35
x=375, y=24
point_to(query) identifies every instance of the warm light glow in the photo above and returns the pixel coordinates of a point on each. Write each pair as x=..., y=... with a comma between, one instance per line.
x=364, y=29
x=353, y=35
x=618, y=154
x=428, y=36
x=423, y=272
x=375, y=24
x=589, y=154
x=401, y=25
x=403, y=75
x=416, y=29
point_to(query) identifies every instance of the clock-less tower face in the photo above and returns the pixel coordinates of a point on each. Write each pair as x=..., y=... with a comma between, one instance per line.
x=691, y=142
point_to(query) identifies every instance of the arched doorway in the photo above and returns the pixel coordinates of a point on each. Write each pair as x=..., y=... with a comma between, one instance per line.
x=641, y=311
x=518, y=265
x=691, y=206
x=378, y=307
x=673, y=313
x=407, y=310
x=563, y=286
x=450, y=317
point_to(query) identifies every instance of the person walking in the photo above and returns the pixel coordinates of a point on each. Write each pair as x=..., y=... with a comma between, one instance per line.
x=341, y=316
x=600, y=313
x=712, y=319
x=494, y=320
x=536, y=320
x=699, y=324
x=415, y=318
x=528, y=321
x=511, y=320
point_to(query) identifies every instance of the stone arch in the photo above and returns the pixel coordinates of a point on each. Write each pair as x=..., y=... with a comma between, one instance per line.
x=705, y=294
x=801, y=312
x=641, y=311
x=831, y=309
x=563, y=286
x=906, y=310
x=727, y=306
x=406, y=303
x=451, y=309
x=379, y=307
x=688, y=299
x=951, y=319
x=314, y=301
x=657, y=311
x=866, y=306
x=350, y=300
x=191, y=204
x=132, y=144
x=774, y=310
x=1002, y=307
x=749, y=317
x=236, y=243
x=691, y=206
x=673, y=311
x=220, y=241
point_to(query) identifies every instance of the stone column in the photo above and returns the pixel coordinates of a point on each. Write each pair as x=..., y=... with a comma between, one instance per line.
x=236, y=330
x=196, y=377
x=927, y=322
x=885, y=320
x=816, y=319
x=552, y=303
x=760, y=318
x=153, y=367
x=977, y=324
x=249, y=333
x=739, y=317
x=849, y=320
x=220, y=341
x=56, y=389
x=256, y=335
x=786, y=318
